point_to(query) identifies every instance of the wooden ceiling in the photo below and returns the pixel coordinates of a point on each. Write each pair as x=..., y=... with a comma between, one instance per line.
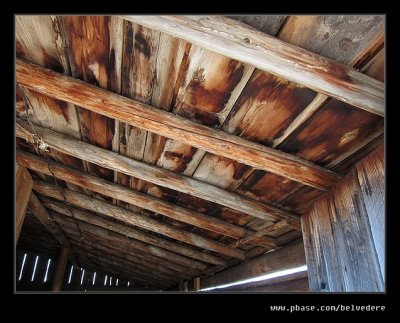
x=174, y=147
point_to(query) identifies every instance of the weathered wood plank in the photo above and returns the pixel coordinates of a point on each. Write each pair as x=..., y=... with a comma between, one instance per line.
x=146, y=117
x=243, y=43
x=157, y=244
x=269, y=24
x=94, y=52
x=287, y=257
x=335, y=129
x=98, y=185
x=371, y=176
x=23, y=188
x=341, y=246
x=344, y=38
x=167, y=179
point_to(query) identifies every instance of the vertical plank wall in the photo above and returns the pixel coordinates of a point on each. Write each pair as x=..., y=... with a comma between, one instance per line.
x=344, y=232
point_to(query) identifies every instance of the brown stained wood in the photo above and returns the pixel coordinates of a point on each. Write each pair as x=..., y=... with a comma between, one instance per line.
x=60, y=269
x=222, y=172
x=36, y=207
x=371, y=176
x=341, y=38
x=287, y=257
x=267, y=187
x=23, y=188
x=335, y=129
x=40, y=40
x=211, y=79
x=161, y=177
x=138, y=70
x=267, y=105
x=210, y=87
x=94, y=55
x=376, y=67
x=157, y=243
x=163, y=123
x=243, y=43
x=269, y=24
x=126, y=216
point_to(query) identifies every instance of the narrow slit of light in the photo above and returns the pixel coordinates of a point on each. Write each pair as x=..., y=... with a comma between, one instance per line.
x=83, y=274
x=260, y=278
x=110, y=280
x=116, y=284
x=34, y=268
x=22, y=268
x=47, y=270
x=70, y=274
x=105, y=280
x=94, y=278
x=129, y=283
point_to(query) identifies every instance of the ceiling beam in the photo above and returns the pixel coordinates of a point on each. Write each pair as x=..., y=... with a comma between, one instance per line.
x=124, y=215
x=241, y=42
x=165, y=178
x=287, y=257
x=122, y=193
x=167, y=124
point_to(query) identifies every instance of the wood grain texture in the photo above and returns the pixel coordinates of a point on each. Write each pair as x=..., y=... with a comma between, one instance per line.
x=269, y=24
x=23, y=188
x=94, y=52
x=343, y=38
x=371, y=176
x=288, y=257
x=245, y=44
x=344, y=237
x=164, y=178
x=136, y=113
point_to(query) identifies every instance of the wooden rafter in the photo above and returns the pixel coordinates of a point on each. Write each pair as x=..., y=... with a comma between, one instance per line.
x=133, y=197
x=169, y=125
x=243, y=43
x=131, y=218
x=152, y=244
x=165, y=178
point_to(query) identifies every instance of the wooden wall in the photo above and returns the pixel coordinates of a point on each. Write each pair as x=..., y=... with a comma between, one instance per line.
x=344, y=232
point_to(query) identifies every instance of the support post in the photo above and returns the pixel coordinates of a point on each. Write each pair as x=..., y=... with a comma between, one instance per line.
x=23, y=188
x=60, y=270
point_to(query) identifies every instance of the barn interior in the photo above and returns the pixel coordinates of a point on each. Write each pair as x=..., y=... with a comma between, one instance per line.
x=200, y=153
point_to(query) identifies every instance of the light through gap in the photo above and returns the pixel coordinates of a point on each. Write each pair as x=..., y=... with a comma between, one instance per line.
x=116, y=284
x=83, y=274
x=129, y=283
x=105, y=280
x=47, y=270
x=94, y=278
x=70, y=274
x=22, y=268
x=34, y=269
x=259, y=278
x=110, y=280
